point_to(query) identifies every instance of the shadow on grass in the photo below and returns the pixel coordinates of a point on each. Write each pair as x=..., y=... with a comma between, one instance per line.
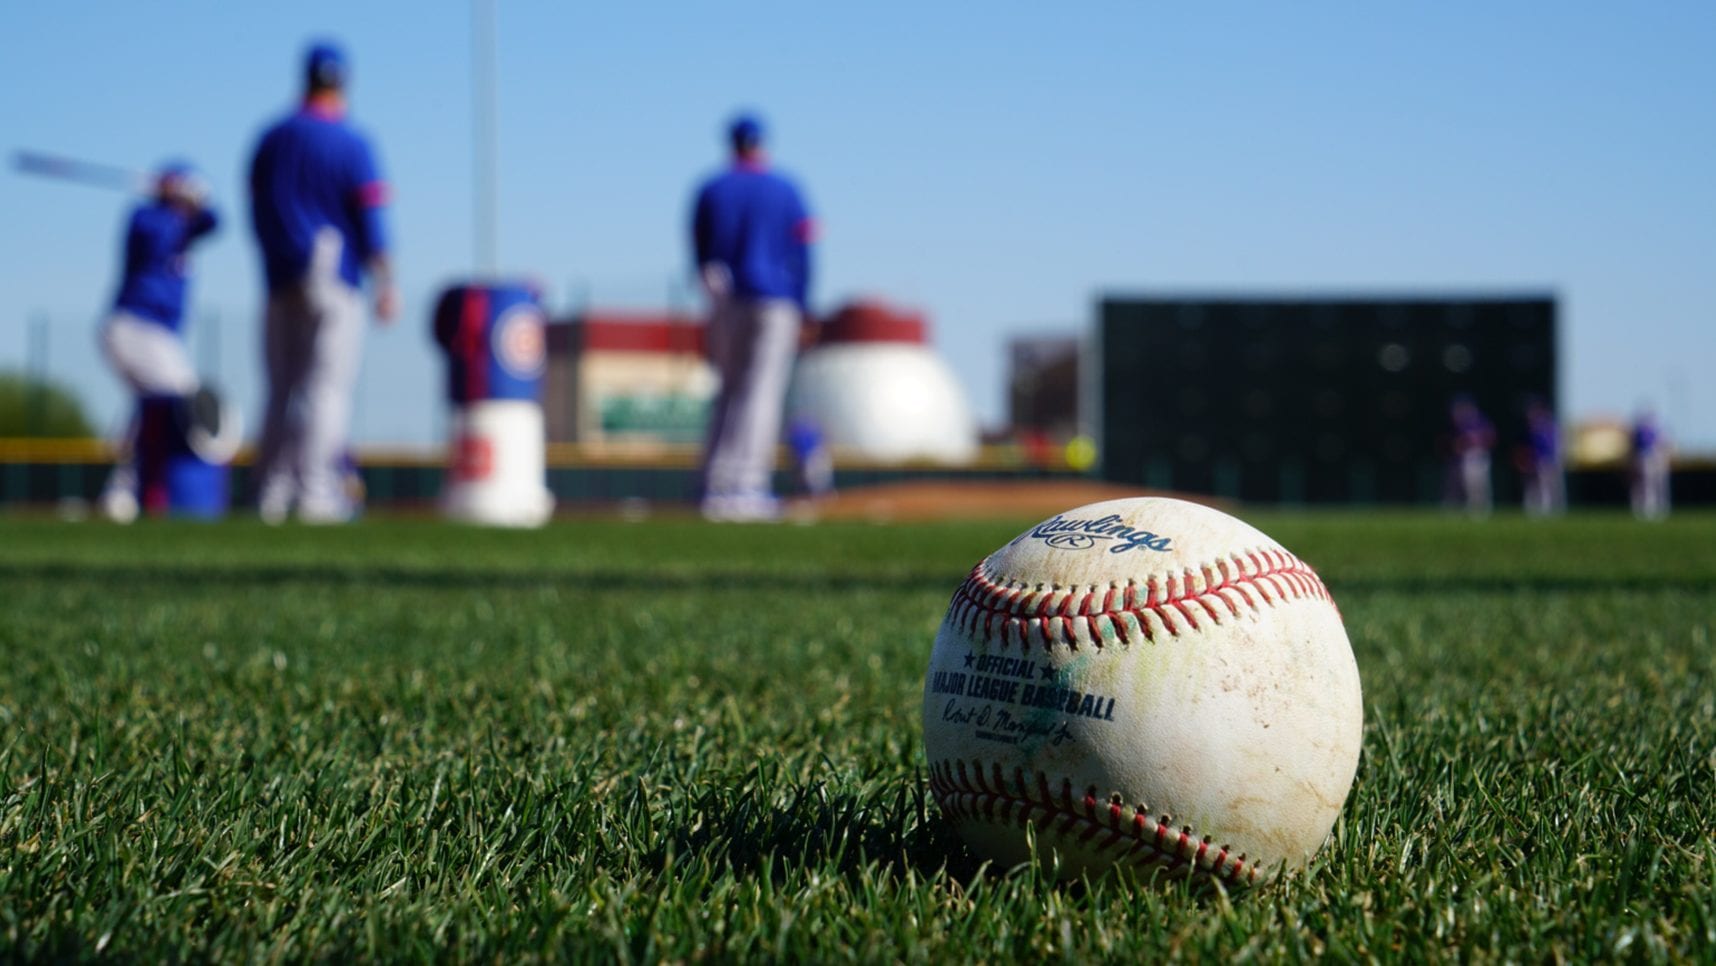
x=895, y=829
x=833, y=579
x=1479, y=585
x=892, y=827
x=452, y=578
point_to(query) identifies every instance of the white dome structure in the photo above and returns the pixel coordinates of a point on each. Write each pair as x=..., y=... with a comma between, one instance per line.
x=876, y=390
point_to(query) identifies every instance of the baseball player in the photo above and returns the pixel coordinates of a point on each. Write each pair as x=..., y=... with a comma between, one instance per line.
x=141, y=337
x=1540, y=462
x=751, y=236
x=815, y=464
x=1471, y=438
x=316, y=204
x=1650, y=468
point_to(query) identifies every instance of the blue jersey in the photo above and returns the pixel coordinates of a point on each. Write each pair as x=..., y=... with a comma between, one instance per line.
x=1647, y=438
x=1541, y=438
x=157, y=261
x=755, y=223
x=313, y=171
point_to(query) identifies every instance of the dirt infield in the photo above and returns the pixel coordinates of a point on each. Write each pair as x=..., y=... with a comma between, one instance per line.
x=966, y=500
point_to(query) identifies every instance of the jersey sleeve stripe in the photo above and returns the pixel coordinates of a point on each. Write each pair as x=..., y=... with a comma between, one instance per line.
x=372, y=194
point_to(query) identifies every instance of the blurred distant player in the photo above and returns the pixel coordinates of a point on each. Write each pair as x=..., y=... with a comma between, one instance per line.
x=1470, y=440
x=316, y=200
x=1540, y=462
x=815, y=464
x=751, y=236
x=1650, y=468
x=141, y=338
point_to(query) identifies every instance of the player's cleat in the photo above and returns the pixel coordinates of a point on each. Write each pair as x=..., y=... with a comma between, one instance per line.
x=324, y=513
x=119, y=506
x=274, y=506
x=741, y=508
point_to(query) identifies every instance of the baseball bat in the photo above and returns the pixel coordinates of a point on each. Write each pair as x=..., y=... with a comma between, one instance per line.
x=81, y=172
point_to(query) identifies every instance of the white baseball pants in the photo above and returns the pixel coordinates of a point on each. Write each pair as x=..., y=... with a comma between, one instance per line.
x=312, y=349
x=151, y=359
x=751, y=344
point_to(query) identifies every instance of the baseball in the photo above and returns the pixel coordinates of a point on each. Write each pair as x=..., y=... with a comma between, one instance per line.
x=1146, y=683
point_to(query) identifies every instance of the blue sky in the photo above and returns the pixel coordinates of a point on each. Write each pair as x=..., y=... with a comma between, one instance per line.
x=997, y=165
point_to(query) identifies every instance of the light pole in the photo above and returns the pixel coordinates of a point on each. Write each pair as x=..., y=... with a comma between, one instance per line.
x=483, y=139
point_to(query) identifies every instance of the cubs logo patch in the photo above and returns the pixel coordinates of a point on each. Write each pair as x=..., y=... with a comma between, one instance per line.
x=520, y=343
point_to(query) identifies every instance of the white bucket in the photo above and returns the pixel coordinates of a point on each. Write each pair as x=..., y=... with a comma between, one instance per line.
x=496, y=467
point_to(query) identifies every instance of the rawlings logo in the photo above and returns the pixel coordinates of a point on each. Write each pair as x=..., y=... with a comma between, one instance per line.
x=1074, y=534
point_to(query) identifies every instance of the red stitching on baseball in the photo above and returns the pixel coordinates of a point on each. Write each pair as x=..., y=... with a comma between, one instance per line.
x=1142, y=840
x=1251, y=580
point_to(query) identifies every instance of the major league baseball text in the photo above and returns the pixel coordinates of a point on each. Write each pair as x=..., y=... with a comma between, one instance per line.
x=1151, y=683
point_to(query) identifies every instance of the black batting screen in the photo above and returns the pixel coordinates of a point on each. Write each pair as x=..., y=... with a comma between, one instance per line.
x=1314, y=400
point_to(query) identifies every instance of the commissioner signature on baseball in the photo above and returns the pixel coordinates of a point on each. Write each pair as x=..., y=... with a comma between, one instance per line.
x=1072, y=533
x=999, y=724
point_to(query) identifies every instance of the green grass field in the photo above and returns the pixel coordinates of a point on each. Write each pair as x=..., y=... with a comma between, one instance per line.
x=670, y=740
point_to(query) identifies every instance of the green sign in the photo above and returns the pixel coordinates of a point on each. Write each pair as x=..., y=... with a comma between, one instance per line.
x=672, y=418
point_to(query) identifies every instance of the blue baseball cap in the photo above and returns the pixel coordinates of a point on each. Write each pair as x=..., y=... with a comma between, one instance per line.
x=746, y=130
x=175, y=168
x=324, y=65
x=180, y=178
